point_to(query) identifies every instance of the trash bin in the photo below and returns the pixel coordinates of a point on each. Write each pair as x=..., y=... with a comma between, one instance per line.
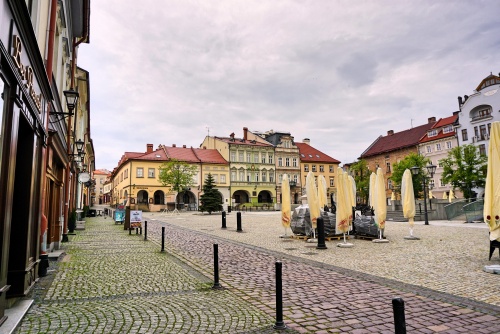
x=92, y=213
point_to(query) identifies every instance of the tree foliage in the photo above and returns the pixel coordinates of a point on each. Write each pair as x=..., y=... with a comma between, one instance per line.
x=463, y=168
x=411, y=160
x=177, y=174
x=361, y=175
x=211, y=199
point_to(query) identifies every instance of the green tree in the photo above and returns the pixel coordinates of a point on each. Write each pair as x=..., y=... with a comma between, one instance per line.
x=463, y=168
x=411, y=160
x=176, y=174
x=211, y=198
x=361, y=175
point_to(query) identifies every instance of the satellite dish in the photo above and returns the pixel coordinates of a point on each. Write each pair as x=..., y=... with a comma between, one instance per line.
x=84, y=177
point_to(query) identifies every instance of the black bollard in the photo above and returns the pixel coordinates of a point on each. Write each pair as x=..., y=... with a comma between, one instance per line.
x=163, y=238
x=145, y=230
x=129, y=231
x=398, y=306
x=229, y=209
x=321, y=234
x=279, y=324
x=223, y=219
x=238, y=222
x=216, y=268
x=137, y=230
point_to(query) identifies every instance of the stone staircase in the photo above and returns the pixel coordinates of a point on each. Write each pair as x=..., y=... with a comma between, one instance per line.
x=396, y=216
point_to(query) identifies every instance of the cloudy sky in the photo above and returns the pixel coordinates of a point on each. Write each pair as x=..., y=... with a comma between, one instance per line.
x=341, y=73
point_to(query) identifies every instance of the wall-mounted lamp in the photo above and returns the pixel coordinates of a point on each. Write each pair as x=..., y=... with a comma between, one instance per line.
x=71, y=100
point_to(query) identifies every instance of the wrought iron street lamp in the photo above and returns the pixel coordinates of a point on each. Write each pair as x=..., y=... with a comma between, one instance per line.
x=431, y=169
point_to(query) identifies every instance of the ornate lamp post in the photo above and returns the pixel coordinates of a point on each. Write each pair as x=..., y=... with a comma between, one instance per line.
x=431, y=169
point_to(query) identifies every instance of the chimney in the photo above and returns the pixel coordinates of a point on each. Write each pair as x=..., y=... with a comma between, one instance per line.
x=232, y=135
x=390, y=132
x=149, y=148
x=460, y=102
x=245, y=133
x=431, y=120
x=455, y=113
x=173, y=145
x=183, y=146
x=306, y=141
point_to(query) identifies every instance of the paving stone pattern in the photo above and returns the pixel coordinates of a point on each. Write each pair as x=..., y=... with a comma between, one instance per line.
x=113, y=282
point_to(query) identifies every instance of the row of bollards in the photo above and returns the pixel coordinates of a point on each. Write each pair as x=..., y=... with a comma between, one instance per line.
x=397, y=303
x=238, y=221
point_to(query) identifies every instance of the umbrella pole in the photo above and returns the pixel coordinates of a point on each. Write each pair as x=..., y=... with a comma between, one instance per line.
x=344, y=238
x=285, y=233
x=411, y=232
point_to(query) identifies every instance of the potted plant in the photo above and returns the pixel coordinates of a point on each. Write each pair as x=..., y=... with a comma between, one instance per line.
x=72, y=221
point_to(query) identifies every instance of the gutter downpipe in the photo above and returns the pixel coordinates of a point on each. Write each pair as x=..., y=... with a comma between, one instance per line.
x=44, y=258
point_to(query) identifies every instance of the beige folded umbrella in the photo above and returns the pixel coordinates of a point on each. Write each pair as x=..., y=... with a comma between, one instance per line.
x=312, y=199
x=380, y=201
x=444, y=195
x=343, y=203
x=286, y=210
x=408, y=199
x=430, y=194
x=491, y=211
x=393, y=196
x=452, y=196
x=322, y=198
x=371, y=190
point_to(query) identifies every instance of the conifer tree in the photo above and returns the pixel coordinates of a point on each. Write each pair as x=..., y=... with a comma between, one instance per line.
x=211, y=199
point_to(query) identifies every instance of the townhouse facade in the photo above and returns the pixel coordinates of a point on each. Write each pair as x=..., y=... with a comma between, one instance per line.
x=387, y=150
x=135, y=181
x=252, y=168
x=439, y=140
x=38, y=155
x=311, y=159
x=100, y=176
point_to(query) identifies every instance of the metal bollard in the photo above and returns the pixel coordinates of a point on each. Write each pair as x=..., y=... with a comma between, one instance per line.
x=223, y=219
x=238, y=222
x=137, y=230
x=321, y=234
x=163, y=238
x=229, y=209
x=216, y=268
x=398, y=306
x=129, y=231
x=279, y=324
x=145, y=230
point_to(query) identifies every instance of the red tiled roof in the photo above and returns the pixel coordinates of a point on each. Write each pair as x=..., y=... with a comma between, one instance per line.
x=397, y=141
x=241, y=141
x=181, y=154
x=439, y=125
x=310, y=154
x=101, y=172
x=209, y=156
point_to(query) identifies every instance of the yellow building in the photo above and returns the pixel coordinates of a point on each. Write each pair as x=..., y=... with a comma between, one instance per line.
x=319, y=163
x=135, y=181
x=252, y=169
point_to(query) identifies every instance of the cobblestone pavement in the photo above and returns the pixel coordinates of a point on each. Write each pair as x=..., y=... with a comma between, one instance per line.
x=348, y=290
x=112, y=282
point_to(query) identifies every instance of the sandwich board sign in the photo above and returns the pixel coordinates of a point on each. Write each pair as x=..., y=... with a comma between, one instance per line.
x=135, y=218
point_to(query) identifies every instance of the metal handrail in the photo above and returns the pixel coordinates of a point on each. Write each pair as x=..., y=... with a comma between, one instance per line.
x=454, y=209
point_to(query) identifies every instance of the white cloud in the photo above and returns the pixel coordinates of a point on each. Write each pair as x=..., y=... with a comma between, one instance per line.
x=340, y=72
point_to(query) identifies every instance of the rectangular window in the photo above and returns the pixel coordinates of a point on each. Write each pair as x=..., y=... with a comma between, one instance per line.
x=464, y=135
x=388, y=167
x=294, y=162
x=476, y=132
x=432, y=133
x=233, y=175
x=256, y=158
x=264, y=177
x=280, y=161
x=233, y=156
x=330, y=167
x=242, y=176
x=248, y=177
x=256, y=176
x=223, y=178
x=151, y=172
x=321, y=168
x=482, y=131
x=431, y=183
x=270, y=158
x=126, y=173
x=441, y=183
x=448, y=129
x=306, y=168
x=332, y=182
x=240, y=157
x=482, y=149
x=295, y=178
x=287, y=162
x=429, y=149
x=249, y=157
x=438, y=147
x=139, y=172
x=280, y=178
x=263, y=158
x=216, y=178
x=448, y=145
x=314, y=168
x=271, y=177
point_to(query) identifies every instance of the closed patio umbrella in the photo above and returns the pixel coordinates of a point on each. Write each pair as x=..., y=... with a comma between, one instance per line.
x=322, y=198
x=491, y=211
x=343, y=203
x=444, y=195
x=380, y=203
x=312, y=200
x=408, y=201
x=452, y=196
x=286, y=210
x=371, y=190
